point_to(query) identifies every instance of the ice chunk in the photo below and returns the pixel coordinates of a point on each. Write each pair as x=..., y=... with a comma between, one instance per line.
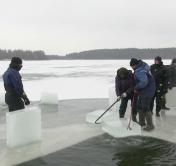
x=49, y=107
x=49, y=98
x=171, y=98
x=93, y=116
x=2, y=99
x=23, y=127
x=118, y=128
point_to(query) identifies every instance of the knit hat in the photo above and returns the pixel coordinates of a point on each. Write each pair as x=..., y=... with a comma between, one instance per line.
x=134, y=62
x=16, y=60
x=122, y=72
x=158, y=58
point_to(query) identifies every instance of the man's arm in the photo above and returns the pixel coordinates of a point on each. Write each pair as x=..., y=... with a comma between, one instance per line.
x=142, y=78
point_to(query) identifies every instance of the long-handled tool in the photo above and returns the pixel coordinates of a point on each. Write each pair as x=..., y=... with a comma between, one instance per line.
x=117, y=100
x=132, y=106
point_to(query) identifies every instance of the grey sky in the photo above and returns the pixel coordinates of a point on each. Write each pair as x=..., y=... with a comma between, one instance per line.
x=63, y=26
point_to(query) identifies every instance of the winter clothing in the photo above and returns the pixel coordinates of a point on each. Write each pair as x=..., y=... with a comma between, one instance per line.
x=159, y=73
x=145, y=85
x=14, y=87
x=158, y=58
x=134, y=62
x=150, y=125
x=172, y=74
x=124, y=85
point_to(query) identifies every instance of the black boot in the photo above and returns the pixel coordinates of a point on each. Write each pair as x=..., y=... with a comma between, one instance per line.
x=157, y=114
x=149, y=120
x=165, y=108
x=142, y=118
x=134, y=118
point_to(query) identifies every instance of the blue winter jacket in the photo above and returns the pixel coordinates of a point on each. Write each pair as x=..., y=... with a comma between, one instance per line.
x=145, y=83
x=12, y=82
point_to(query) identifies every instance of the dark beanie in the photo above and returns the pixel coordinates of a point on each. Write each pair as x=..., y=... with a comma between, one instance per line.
x=16, y=60
x=158, y=58
x=134, y=62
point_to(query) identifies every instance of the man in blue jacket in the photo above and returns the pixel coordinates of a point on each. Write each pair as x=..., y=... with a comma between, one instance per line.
x=15, y=96
x=145, y=87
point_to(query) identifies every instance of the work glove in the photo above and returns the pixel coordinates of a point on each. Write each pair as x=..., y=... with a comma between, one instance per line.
x=118, y=98
x=26, y=101
x=124, y=95
x=136, y=91
x=25, y=98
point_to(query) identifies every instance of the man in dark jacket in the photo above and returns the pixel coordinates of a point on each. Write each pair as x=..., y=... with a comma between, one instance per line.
x=159, y=73
x=15, y=96
x=124, y=86
x=172, y=74
x=145, y=87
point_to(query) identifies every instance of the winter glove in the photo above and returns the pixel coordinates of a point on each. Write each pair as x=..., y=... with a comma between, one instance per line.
x=25, y=98
x=124, y=95
x=26, y=101
x=135, y=91
x=118, y=98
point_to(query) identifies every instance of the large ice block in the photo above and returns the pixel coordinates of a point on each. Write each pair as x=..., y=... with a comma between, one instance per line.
x=23, y=127
x=93, y=116
x=2, y=99
x=171, y=98
x=49, y=107
x=49, y=98
x=118, y=128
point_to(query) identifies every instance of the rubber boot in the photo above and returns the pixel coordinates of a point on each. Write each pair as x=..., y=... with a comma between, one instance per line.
x=134, y=118
x=149, y=120
x=142, y=118
x=157, y=114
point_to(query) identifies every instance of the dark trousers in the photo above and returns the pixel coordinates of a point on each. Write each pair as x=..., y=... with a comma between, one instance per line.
x=124, y=103
x=144, y=104
x=14, y=102
x=160, y=102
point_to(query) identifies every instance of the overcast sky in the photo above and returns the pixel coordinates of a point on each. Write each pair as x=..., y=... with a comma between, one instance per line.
x=63, y=26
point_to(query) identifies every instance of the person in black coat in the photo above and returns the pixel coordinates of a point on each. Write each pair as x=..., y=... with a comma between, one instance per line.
x=15, y=96
x=124, y=86
x=159, y=72
x=172, y=74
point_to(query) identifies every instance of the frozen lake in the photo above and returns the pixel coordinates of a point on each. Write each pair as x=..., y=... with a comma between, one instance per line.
x=71, y=79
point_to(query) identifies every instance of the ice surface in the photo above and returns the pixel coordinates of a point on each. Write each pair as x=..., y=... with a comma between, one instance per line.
x=49, y=98
x=23, y=127
x=113, y=98
x=93, y=116
x=171, y=98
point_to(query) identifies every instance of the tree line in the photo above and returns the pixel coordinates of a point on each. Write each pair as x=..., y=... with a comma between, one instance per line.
x=165, y=53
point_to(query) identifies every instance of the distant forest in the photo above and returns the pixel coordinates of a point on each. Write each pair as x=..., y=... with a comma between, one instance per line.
x=165, y=53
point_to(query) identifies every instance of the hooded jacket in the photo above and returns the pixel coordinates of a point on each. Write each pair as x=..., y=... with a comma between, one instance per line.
x=12, y=82
x=144, y=81
x=124, y=85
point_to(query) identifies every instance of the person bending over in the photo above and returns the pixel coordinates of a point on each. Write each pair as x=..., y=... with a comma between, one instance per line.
x=124, y=85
